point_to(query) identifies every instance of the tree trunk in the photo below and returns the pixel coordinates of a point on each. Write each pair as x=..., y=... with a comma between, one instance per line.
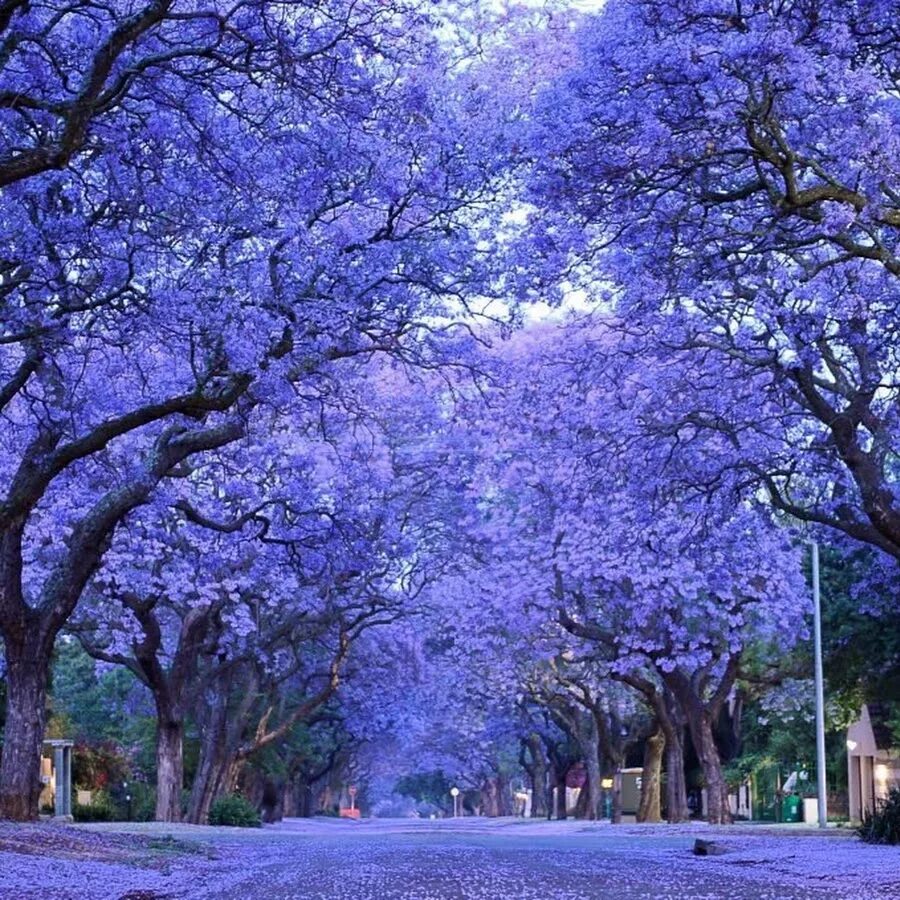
x=594, y=808
x=616, y=818
x=562, y=805
x=538, y=773
x=676, y=786
x=589, y=741
x=718, y=812
x=211, y=782
x=701, y=715
x=264, y=792
x=506, y=796
x=490, y=797
x=581, y=801
x=292, y=808
x=544, y=796
x=274, y=802
x=169, y=768
x=231, y=778
x=27, y=671
x=212, y=765
x=651, y=779
x=304, y=794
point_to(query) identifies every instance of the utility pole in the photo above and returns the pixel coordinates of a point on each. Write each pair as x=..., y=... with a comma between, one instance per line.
x=820, y=689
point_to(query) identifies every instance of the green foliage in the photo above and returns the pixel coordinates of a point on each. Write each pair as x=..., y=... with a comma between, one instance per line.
x=861, y=653
x=428, y=787
x=99, y=810
x=862, y=649
x=893, y=722
x=101, y=711
x=233, y=809
x=883, y=826
x=142, y=807
x=740, y=769
x=140, y=739
x=93, y=705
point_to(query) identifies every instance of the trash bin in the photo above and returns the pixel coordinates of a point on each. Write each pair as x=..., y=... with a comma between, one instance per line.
x=791, y=809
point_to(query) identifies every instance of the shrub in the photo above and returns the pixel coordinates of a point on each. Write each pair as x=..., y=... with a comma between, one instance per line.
x=100, y=810
x=141, y=807
x=143, y=802
x=233, y=809
x=883, y=825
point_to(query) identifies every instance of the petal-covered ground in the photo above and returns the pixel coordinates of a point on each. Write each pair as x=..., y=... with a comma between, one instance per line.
x=467, y=859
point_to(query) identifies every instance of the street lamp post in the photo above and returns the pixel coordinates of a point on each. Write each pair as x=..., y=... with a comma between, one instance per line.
x=820, y=689
x=454, y=793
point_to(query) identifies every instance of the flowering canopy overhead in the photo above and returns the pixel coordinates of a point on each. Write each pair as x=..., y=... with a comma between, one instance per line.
x=205, y=210
x=735, y=165
x=270, y=441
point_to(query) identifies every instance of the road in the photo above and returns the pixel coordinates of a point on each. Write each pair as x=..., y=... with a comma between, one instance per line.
x=467, y=859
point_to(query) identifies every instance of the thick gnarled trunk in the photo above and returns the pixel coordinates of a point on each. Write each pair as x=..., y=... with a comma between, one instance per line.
x=27, y=670
x=558, y=793
x=676, y=786
x=700, y=714
x=717, y=808
x=537, y=774
x=616, y=811
x=495, y=798
x=169, y=769
x=594, y=809
x=581, y=726
x=649, y=808
x=212, y=768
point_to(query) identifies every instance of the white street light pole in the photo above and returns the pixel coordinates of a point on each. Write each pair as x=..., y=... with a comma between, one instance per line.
x=820, y=689
x=454, y=793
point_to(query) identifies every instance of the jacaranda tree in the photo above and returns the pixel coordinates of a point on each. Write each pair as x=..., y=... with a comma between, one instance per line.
x=727, y=171
x=204, y=207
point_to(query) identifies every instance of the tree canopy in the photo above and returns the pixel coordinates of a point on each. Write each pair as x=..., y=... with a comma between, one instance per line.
x=405, y=396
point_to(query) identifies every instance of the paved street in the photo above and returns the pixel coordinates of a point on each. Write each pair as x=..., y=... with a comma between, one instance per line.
x=471, y=859
x=426, y=862
x=478, y=859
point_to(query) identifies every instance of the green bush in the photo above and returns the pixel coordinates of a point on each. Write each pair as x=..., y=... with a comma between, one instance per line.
x=100, y=810
x=143, y=802
x=233, y=809
x=883, y=826
x=141, y=807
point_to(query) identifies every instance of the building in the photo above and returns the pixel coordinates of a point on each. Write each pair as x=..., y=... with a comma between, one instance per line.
x=873, y=760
